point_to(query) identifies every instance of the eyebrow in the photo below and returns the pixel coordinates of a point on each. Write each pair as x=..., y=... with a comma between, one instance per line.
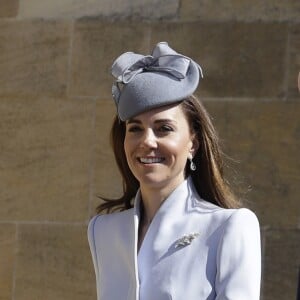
x=137, y=121
x=132, y=121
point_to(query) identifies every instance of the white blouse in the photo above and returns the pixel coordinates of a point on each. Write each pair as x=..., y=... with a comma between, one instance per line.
x=192, y=250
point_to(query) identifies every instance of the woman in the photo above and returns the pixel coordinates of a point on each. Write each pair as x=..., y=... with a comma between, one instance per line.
x=180, y=233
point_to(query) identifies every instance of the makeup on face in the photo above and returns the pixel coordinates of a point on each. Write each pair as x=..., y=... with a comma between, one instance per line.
x=157, y=145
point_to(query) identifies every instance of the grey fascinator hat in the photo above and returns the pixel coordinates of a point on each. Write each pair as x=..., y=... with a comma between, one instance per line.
x=146, y=82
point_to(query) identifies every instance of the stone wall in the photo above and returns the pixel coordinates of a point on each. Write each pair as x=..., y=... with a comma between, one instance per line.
x=56, y=111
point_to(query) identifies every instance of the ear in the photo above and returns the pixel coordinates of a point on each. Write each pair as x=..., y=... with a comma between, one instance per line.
x=194, y=146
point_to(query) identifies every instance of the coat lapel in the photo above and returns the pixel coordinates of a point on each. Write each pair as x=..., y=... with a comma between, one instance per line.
x=161, y=237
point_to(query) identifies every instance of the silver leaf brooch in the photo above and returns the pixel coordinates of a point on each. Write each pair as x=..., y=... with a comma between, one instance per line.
x=186, y=240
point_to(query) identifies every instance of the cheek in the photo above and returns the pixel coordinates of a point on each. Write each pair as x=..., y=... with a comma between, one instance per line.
x=126, y=147
x=130, y=146
x=178, y=147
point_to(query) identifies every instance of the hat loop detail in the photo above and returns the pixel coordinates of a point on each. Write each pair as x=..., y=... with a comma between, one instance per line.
x=163, y=59
x=174, y=64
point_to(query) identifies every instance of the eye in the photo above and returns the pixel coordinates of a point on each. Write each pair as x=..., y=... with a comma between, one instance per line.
x=134, y=128
x=165, y=128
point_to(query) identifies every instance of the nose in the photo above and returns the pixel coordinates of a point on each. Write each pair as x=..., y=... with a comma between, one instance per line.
x=149, y=139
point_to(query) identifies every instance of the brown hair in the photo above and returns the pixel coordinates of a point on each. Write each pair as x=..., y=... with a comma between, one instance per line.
x=208, y=179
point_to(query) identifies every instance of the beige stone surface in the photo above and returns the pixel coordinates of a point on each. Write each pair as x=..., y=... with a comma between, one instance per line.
x=33, y=57
x=294, y=62
x=7, y=259
x=281, y=264
x=54, y=262
x=96, y=45
x=55, y=153
x=45, y=158
x=107, y=180
x=8, y=8
x=238, y=59
x=104, y=8
x=263, y=138
x=269, y=10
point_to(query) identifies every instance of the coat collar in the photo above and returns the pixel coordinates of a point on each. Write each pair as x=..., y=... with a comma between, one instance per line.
x=174, y=202
x=177, y=207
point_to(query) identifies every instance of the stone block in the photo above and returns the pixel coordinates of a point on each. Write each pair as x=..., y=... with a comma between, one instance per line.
x=294, y=62
x=100, y=8
x=238, y=59
x=263, y=140
x=103, y=8
x=7, y=259
x=270, y=10
x=8, y=8
x=45, y=158
x=107, y=180
x=54, y=262
x=281, y=264
x=96, y=45
x=33, y=57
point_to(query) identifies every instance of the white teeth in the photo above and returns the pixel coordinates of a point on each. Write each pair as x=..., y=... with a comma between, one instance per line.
x=152, y=160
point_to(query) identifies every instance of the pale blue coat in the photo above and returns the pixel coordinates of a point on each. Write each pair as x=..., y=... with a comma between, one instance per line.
x=223, y=262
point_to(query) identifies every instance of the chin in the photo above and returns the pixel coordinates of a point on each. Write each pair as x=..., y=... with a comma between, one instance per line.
x=158, y=181
x=152, y=180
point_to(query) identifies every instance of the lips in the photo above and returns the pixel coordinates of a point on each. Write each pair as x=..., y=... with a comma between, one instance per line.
x=151, y=160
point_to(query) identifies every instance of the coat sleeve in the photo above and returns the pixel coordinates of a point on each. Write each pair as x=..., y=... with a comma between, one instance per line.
x=239, y=258
x=92, y=244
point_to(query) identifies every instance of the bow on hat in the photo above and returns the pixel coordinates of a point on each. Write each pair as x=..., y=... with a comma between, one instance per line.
x=163, y=59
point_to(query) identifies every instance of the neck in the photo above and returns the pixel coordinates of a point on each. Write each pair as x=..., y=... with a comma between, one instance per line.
x=153, y=198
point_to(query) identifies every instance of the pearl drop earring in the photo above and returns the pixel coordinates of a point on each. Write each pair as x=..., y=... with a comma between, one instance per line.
x=192, y=165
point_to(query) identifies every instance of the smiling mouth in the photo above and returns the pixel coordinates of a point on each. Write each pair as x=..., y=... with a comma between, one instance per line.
x=151, y=160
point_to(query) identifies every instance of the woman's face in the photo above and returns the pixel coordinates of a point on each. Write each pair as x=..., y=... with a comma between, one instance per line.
x=157, y=145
